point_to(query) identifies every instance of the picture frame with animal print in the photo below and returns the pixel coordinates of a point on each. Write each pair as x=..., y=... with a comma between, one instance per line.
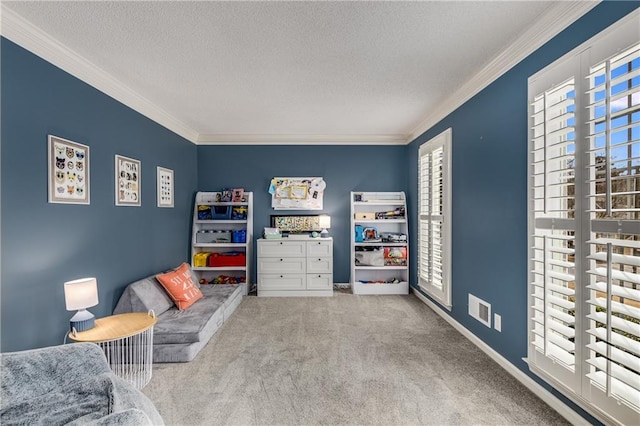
x=68, y=174
x=128, y=181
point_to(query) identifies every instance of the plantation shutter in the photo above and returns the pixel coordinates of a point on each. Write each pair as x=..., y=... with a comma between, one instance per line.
x=614, y=244
x=552, y=192
x=433, y=168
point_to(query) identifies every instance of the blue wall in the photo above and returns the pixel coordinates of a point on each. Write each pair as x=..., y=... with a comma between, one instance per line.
x=45, y=244
x=344, y=169
x=489, y=178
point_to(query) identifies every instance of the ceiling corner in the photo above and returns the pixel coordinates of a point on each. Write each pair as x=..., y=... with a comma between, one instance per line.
x=23, y=33
x=550, y=24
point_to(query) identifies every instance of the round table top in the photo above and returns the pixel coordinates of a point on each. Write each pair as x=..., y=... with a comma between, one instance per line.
x=116, y=327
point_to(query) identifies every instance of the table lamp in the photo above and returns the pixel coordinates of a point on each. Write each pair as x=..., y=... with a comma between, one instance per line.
x=79, y=295
x=325, y=223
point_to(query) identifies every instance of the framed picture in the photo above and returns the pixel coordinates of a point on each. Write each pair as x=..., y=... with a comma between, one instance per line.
x=238, y=195
x=226, y=195
x=128, y=174
x=164, y=184
x=68, y=174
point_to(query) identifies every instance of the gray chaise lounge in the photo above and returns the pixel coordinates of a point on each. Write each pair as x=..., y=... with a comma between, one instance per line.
x=69, y=384
x=178, y=335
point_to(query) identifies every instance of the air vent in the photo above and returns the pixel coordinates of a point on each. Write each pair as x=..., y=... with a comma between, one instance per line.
x=480, y=310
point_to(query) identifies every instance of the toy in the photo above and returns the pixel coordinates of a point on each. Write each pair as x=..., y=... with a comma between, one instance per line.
x=226, y=279
x=359, y=232
x=395, y=256
x=395, y=214
x=393, y=237
x=371, y=234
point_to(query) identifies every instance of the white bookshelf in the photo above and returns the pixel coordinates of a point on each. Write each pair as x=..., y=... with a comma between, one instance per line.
x=222, y=225
x=392, y=276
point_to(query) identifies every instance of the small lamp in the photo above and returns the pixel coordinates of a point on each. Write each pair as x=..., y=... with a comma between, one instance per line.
x=80, y=295
x=325, y=223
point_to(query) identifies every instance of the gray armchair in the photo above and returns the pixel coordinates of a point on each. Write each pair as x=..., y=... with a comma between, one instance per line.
x=69, y=384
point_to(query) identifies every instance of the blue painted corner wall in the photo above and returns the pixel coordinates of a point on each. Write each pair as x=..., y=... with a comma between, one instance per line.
x=489, y=190
x=344, y=168
x=44, y=245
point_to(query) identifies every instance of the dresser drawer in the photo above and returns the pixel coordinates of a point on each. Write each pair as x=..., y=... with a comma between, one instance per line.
x=320, y=248
x=319, y=281
x=282, y=281
x=319, y=265
x=279, y=265
x=281, y=249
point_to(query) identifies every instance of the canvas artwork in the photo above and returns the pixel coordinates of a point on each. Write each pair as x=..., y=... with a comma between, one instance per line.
x=68, y=174
x=128, y=173
x=165, y=187
x=296, y=224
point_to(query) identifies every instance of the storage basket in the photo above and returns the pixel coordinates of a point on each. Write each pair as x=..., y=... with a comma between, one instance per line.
x=232, y=258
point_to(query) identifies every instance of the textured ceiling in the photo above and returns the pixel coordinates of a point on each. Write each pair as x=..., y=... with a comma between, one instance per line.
x=330, y=69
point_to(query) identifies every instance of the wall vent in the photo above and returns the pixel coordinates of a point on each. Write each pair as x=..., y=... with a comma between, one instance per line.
x=480, y=310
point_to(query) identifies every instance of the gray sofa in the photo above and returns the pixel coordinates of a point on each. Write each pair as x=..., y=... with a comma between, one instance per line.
x=69, y=384
x=178, y=335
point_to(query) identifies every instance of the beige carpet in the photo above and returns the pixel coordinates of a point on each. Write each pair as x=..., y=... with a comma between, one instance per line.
x=369, y=360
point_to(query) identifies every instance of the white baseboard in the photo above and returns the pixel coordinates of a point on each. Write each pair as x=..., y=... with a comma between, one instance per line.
x=542, y=393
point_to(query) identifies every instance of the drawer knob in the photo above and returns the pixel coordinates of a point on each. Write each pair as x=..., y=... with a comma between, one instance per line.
x=281, y=260
x=319, y=242
x=281, y=276
x=319, y=260
x=280, y=242
x=319, y=276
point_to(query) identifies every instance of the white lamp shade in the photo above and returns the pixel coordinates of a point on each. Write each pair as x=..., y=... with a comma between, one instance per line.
x=81, y=294
x=324, y=221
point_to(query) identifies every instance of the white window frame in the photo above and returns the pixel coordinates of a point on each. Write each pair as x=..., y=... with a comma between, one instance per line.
x=441, y=293
x=577, y=382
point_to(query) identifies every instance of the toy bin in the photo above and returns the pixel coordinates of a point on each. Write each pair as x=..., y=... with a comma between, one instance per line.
x=239, y=236
x=200, y=259
x=233, y=258
x=205, y=237
x=221, y=212
x=239, y=213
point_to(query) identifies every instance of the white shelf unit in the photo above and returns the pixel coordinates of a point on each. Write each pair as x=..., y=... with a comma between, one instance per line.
x=222, y=224
x=376, y=279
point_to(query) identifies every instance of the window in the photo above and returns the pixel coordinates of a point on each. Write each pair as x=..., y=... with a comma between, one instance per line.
x=584, y=224
x=434, y=228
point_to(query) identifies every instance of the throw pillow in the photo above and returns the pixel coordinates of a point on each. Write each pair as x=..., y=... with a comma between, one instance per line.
x=180, y=286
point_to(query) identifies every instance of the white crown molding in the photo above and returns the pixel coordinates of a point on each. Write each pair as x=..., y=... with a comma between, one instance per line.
x=556, y=19
x=290, y=139
x=28, y=36
x=23, y=33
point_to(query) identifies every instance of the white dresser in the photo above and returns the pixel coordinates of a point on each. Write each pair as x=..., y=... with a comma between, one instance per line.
x=295, y=267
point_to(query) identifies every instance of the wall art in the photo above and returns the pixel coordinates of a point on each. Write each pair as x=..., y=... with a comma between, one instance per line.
x=296, y=224
x=297, y=193
x=128, y=176
x=68, y=171
x=164, y=184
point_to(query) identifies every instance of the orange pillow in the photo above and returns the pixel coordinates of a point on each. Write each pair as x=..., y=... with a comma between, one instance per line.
x=180, y=286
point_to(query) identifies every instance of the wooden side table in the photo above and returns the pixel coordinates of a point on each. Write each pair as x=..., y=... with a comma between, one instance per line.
x=127, y=341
